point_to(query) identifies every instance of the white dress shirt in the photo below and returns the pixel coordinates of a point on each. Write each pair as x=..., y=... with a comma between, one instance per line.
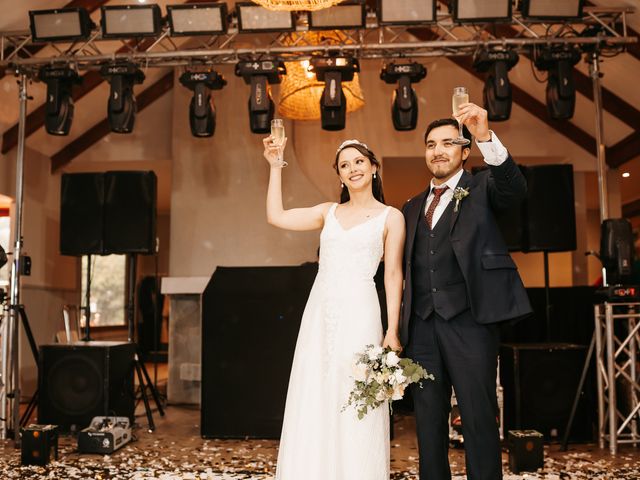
x=493, y=152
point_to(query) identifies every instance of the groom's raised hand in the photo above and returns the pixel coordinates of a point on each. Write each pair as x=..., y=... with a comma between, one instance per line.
x=476, y=120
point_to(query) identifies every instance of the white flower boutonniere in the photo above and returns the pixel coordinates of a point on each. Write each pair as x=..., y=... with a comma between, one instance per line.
x=459, y=193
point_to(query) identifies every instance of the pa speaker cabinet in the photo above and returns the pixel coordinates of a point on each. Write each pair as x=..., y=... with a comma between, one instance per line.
x=130, y=212
x=82, y=380
x=540, y=382
x=81, y=214
x=250, y=323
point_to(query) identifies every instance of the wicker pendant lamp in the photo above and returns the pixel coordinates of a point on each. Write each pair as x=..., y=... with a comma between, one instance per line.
x=300, y=92
x=293, y=5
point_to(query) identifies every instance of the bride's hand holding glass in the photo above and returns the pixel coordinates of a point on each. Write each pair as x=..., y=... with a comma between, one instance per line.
x=273, y=151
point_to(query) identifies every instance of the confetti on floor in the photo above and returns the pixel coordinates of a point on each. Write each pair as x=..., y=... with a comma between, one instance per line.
x=175, y=451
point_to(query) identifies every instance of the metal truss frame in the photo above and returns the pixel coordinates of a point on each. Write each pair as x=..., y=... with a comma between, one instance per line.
x=617, y=330
x=602, y=29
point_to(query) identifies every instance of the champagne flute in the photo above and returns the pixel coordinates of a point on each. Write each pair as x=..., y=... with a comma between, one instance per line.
x=460, y=96
x=277, y=132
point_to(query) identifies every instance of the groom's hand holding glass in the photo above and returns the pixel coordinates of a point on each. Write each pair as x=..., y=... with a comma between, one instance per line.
x=476, y=120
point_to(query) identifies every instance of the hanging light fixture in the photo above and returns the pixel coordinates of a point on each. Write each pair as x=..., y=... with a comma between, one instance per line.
x=297, y=5
x=300, y=91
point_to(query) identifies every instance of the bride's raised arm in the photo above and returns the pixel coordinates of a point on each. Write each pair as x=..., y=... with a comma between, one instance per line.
x=311, y=218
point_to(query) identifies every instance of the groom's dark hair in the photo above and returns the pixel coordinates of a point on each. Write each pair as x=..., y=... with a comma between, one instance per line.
x=448, y=121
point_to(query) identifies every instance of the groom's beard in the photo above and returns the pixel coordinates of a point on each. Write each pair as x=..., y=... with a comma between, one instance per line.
x=445, y=169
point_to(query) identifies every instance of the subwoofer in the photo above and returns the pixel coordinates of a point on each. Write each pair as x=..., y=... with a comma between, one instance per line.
x=82, y=380
x=540, y=382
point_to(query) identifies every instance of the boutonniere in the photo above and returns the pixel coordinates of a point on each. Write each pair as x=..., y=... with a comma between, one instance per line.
x=459, y=193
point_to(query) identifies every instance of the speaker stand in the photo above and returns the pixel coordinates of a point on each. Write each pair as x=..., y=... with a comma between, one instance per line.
x=574, y=407
x=144, y=380
x=34, y=350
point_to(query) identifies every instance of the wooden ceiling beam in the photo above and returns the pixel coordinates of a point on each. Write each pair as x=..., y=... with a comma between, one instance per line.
x=101, y=129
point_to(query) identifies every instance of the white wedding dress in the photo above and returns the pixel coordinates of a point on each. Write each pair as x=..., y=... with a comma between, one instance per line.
x=342, y=316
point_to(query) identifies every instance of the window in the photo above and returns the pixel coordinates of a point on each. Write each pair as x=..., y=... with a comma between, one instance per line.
x=5, y=234
x=108, y=274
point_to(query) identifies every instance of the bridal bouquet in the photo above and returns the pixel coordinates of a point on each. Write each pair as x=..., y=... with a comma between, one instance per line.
x=381, y=375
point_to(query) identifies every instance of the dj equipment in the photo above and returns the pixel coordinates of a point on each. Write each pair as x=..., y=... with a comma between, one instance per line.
x=620, y=293
x=104, y=435
x=39, y=442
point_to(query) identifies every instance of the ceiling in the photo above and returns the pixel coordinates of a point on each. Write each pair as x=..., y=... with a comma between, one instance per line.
x=621, y=102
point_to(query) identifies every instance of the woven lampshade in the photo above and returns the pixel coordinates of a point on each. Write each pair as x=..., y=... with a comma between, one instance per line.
x=300, y=92
x=293, y=5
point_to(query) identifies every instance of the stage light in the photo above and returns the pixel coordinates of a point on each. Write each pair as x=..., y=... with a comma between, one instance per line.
x=561, y=90
x=350, y=14
x=259, y=75
x=404, y=106
x=333, y=103
x=124, y=21
x=406, y=12
x=497, y=88
x=202, y=111
x=616, y=249
x=121, y=108
x=66, y=24
x=253, y=18
x=551, y=9
x=59, y=107
x=197, y=19
x=473, y=11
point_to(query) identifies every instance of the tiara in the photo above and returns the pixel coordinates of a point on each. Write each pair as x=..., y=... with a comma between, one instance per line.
x=348, y=143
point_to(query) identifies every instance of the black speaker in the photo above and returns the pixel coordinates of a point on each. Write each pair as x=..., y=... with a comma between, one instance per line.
x=546, y=219
x=130, y=212
x=551, y=215
x=540, y=383
x=79, y=381
x=250, y=323
x=81, y=211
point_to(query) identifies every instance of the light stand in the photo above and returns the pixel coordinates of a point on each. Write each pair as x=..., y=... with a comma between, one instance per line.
x=594, y=70
x=143, y=376
x=87, y=304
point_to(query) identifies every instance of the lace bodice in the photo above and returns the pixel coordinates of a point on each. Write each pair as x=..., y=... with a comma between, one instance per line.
x=352, y=254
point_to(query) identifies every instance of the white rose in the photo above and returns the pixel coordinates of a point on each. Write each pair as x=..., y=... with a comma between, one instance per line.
x=380, y=395
x=392, y=359
x=360, y=372
x=398, y=392
x=374, y=353
x=399, y=377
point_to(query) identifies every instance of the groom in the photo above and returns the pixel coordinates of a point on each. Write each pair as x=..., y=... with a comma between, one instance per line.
x=460, y=283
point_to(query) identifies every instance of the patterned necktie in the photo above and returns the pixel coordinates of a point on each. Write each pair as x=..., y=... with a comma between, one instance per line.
x=437, y=193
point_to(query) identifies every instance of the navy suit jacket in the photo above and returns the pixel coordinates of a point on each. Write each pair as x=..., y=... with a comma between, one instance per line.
x=494, y=287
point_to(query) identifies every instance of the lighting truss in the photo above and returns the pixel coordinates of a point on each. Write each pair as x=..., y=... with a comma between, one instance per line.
x=374, y=41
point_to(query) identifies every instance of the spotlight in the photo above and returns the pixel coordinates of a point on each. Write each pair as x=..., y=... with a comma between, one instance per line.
x=122, y=103
x=65, y=24
x=259, y=75
x=349, y=14
x=333, y=103
x=497, y=89
x=254, y=19
x=59, y=106
x=197, y=19
x=202, y=112
x=474, y=11
x=122, y=21
x=561, y=90
x=404, y=107
x=406, y=12
x=551, y=10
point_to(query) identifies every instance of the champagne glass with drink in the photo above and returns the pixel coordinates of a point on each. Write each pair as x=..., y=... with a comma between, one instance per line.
x=277, y=132
x=460, y=96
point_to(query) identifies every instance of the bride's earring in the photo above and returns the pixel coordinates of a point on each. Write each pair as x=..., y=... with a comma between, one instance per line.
x=341, y=185
x=374, y=174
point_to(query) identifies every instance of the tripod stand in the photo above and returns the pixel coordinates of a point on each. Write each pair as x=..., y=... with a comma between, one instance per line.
x=141, y=370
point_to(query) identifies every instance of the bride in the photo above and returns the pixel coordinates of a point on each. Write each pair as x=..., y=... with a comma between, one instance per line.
x=319, y=439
